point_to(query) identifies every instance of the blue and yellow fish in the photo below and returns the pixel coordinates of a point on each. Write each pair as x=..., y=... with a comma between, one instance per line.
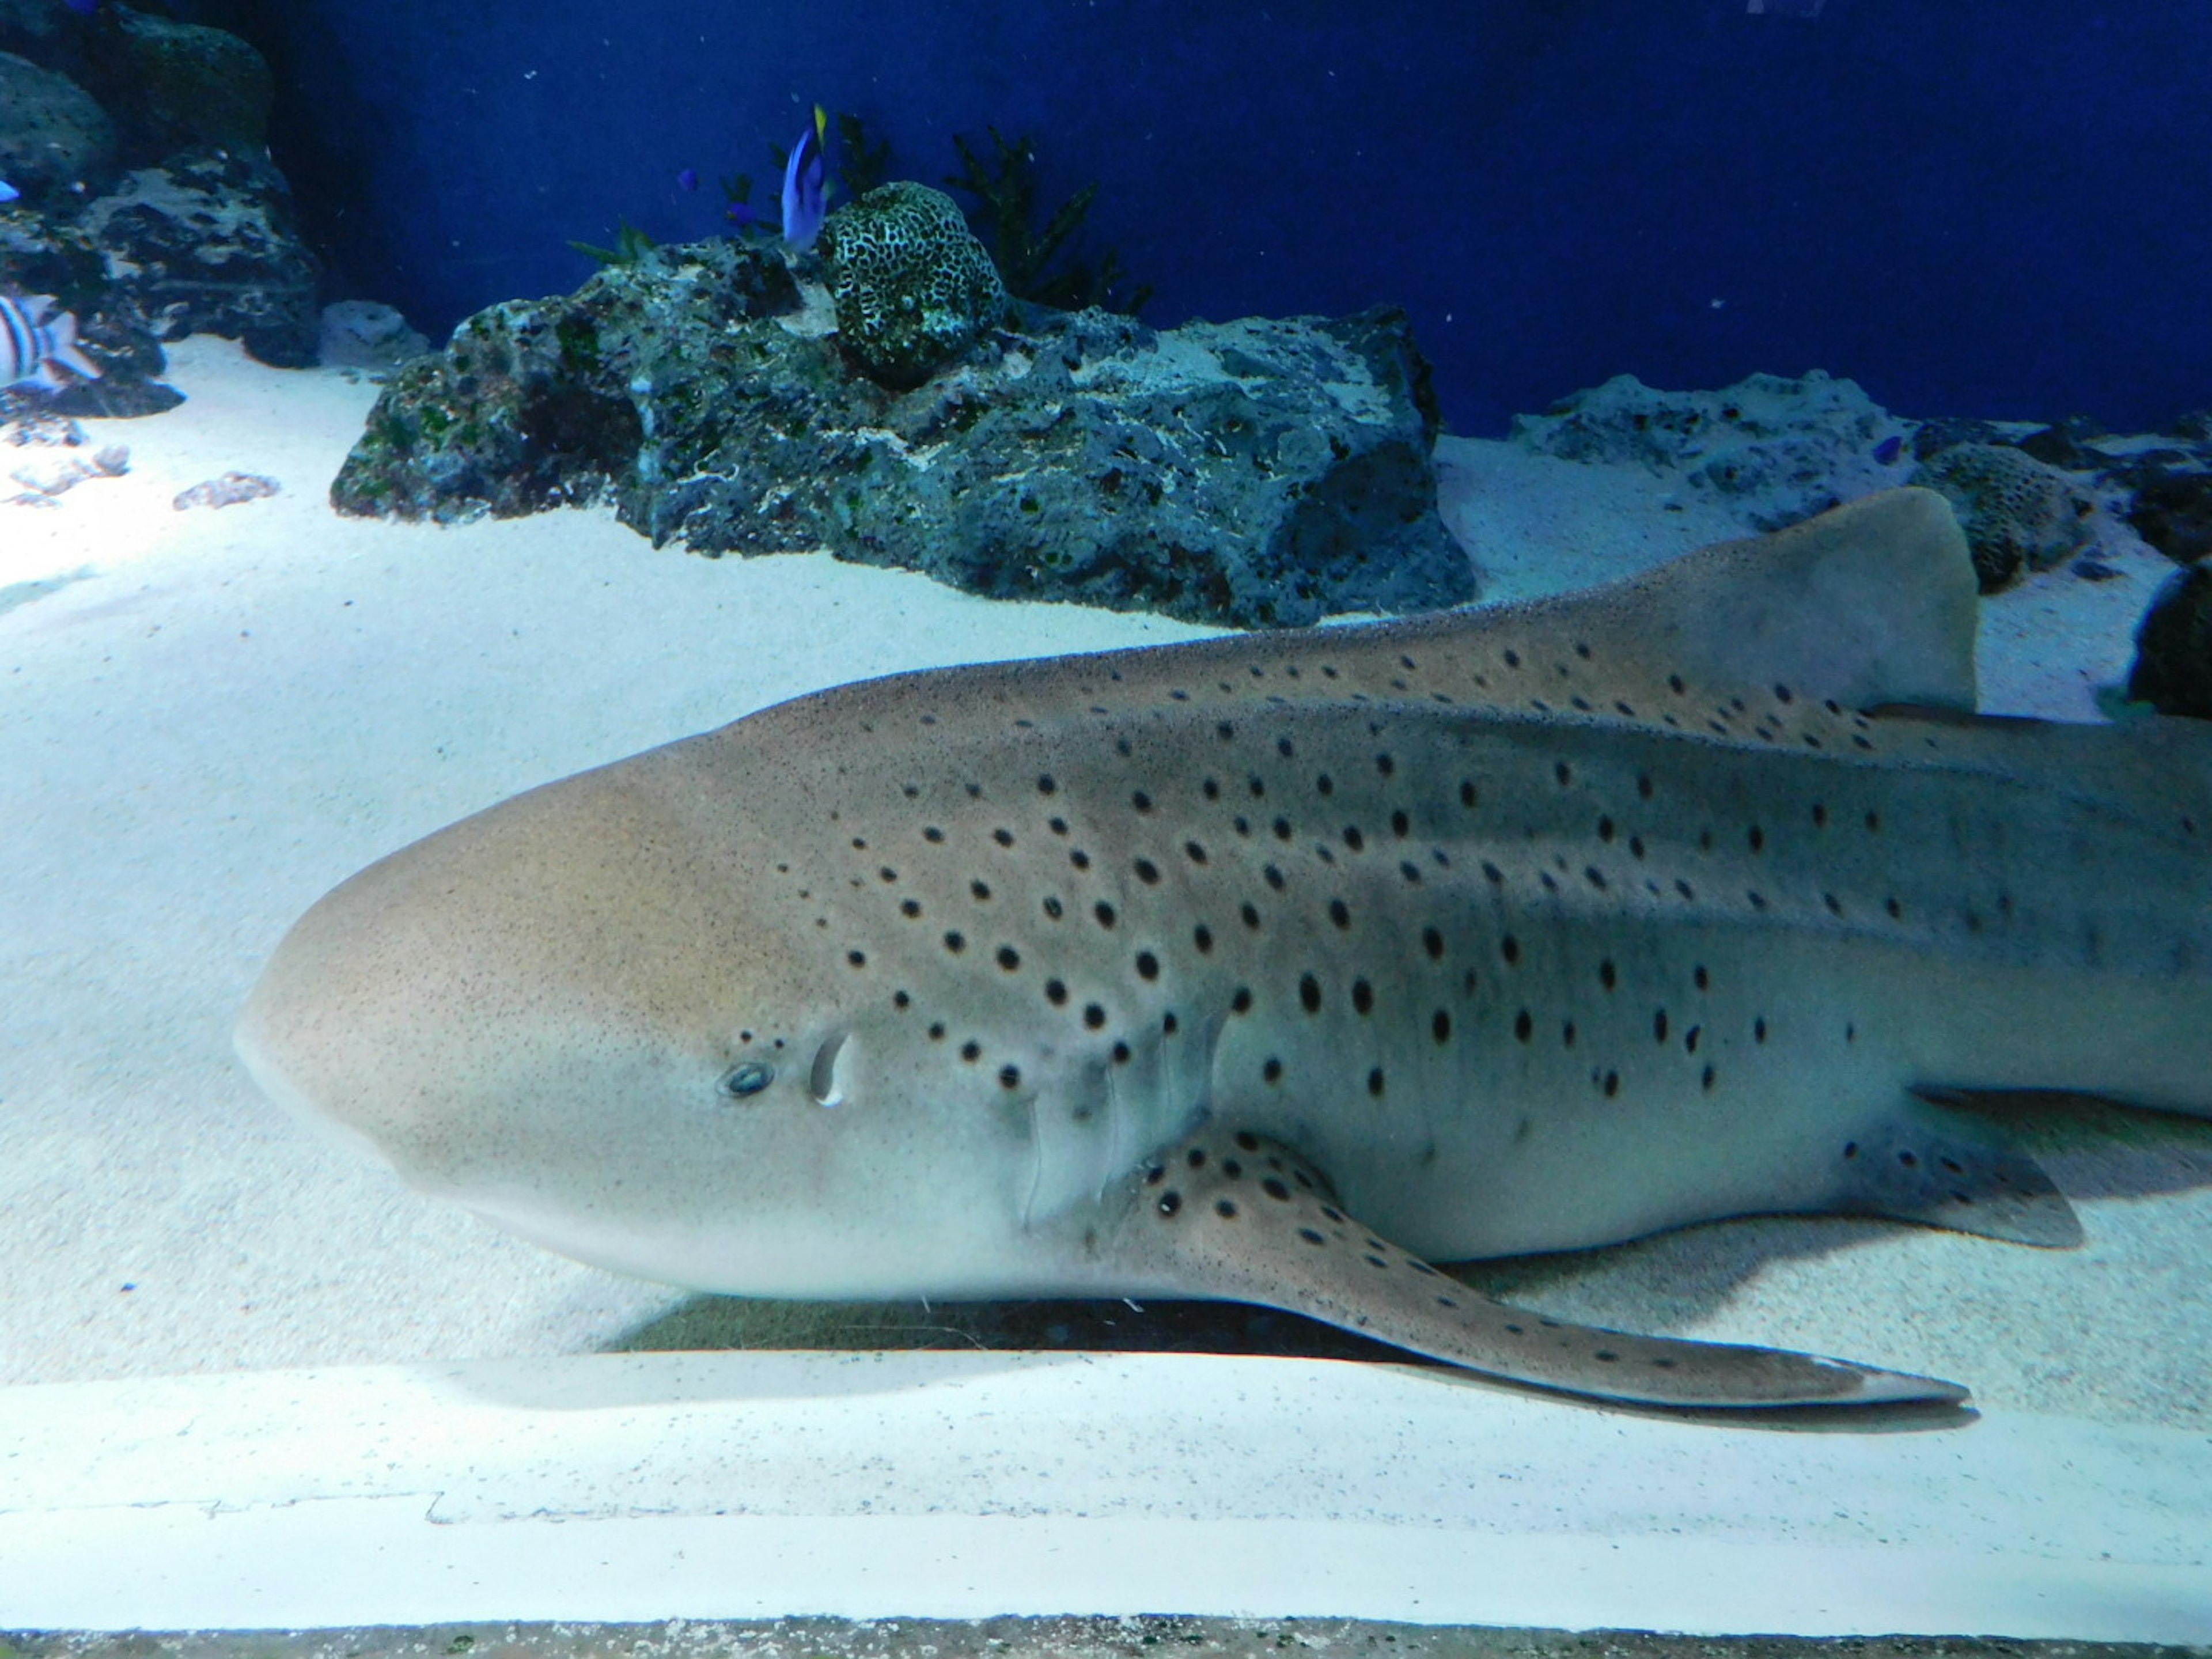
x=806, y=184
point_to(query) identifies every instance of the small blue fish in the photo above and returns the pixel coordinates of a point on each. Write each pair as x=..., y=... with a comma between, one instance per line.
x=804, y=180
x=1887, y=452
x=741, y=214
x=83, y=8
x=688, y=180
x=1786, y=8
x=35, y=336
x=8, y=191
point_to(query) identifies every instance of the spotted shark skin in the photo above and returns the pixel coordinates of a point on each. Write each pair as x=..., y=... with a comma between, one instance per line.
x=1276, y=968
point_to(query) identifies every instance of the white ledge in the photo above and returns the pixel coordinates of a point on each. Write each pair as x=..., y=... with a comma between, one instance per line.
x=620, y=1487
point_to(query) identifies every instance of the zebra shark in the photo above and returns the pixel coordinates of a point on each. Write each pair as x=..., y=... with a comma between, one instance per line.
x=1280, y=967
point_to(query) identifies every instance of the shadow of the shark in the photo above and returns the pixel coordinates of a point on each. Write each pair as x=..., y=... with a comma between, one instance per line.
x=1667, y=1283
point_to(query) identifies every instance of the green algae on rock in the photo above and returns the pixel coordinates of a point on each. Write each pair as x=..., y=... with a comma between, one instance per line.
x=913, y=288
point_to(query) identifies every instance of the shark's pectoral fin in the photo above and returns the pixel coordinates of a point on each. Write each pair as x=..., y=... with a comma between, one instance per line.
x=1926, y=1164
x=1234, y=1215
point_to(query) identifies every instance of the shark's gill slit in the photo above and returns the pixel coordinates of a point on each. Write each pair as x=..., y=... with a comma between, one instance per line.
x=821, y=1078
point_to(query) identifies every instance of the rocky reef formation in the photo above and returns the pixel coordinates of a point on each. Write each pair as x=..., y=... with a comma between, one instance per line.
x=2068, y=500
x=1248, y=474
x=1782, y=448
x=149, y=206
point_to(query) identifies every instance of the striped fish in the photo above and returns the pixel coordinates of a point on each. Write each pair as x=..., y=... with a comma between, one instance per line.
x=34, y=336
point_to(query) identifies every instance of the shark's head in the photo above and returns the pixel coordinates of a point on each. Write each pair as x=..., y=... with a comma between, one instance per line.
x=565, y=1014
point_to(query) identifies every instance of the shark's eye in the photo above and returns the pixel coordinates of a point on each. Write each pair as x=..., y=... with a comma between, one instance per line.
x=749, y=1078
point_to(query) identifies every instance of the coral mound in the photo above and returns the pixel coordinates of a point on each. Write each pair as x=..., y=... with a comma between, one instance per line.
x=913, y=288
x=2018, y=514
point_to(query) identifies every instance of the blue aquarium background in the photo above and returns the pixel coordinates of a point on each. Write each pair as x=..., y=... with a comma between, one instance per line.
x=1968, y=206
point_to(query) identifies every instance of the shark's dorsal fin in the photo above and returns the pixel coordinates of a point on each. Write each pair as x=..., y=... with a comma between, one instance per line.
x=1234, y=1215
x=1872, y=602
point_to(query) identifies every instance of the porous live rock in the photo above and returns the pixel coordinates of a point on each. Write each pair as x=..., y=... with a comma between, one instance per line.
x=2173, y=669
x=40, y=254
x=1780, y=447
x=2171, y=509
x=2017, y=513
x=913, y=289
x=2069, y=445
x=1250, y=473
x=229, y=490
x=208, y=243
x=54, y=472
x=53, y=134
x=180, y=85
x=364, y=334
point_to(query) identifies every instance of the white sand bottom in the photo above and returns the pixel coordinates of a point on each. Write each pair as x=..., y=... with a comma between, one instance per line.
x=208, y=718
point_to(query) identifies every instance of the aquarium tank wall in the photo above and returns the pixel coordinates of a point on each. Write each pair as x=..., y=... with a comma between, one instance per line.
x=1971, y=207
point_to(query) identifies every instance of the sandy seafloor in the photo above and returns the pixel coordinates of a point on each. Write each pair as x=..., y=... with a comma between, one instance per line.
x=208, y=718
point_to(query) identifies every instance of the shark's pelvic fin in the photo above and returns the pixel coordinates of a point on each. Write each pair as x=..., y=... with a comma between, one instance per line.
x=1925, y=1163
x=1234, y=1215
